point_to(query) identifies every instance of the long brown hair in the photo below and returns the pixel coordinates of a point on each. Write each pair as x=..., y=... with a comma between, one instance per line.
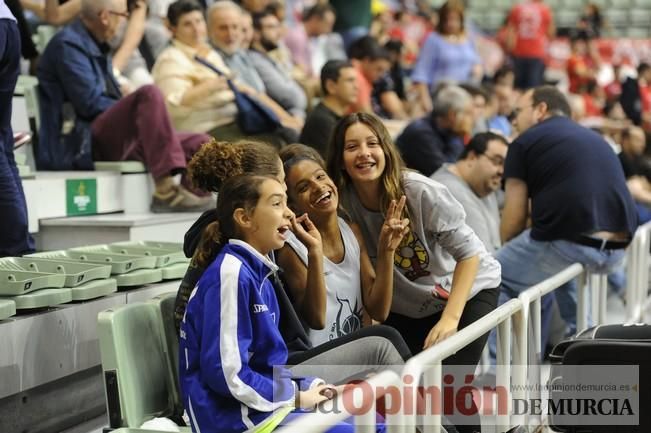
x=391, y=177
x=241, y=191
x=217, y=161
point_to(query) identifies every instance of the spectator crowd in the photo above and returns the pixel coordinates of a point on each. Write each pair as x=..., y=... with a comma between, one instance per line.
x=461, y=186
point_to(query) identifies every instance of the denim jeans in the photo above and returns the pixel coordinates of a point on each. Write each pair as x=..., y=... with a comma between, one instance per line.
x=526, y=262
x=15, y=239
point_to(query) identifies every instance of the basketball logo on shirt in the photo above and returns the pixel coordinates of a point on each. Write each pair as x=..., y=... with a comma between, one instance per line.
x=348, y=319
x=411, y=257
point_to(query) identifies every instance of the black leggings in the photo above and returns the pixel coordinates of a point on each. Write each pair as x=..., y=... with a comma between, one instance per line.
x=414, y=331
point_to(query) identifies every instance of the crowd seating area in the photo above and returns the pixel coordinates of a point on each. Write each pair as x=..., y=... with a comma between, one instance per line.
x=625, y=18
x=91, y=314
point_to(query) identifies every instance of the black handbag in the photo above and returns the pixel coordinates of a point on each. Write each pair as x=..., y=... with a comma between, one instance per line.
x=253, y=117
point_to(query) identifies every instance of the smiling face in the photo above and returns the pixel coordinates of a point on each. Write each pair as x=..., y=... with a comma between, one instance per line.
x=311, y=190
x=363, y=158
x=488, y=168
x=266, y=226
x=225, y=29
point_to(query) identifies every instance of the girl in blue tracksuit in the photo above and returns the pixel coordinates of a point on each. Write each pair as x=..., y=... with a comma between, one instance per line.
x=231, y=351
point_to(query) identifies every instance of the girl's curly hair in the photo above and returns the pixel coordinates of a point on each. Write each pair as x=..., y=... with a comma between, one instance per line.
x=217, y=161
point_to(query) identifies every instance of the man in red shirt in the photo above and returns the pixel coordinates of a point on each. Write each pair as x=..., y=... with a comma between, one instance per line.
x=530, y=25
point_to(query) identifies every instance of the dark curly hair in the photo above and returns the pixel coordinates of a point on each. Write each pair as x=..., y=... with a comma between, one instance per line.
x=217, y=161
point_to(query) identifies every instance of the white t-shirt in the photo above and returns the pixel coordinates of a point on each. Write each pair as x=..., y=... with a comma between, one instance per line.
x=344, y=305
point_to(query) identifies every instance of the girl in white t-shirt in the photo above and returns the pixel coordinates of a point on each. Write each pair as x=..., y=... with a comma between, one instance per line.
x=333, y=306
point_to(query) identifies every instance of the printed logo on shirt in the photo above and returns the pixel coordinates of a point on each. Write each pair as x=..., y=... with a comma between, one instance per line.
x=348, y=319
x=260, y=308
x=411, y=257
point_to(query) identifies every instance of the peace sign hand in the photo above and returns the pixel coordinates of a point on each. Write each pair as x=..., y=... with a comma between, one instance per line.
x=394, y=228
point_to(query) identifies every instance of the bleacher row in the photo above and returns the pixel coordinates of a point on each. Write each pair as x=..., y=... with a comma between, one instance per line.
x=139, y=346
x=626, y=18
x=51, y=278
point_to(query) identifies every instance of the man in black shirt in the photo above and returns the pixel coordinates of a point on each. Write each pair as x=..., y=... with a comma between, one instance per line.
x=339, y=87
x=581, y=209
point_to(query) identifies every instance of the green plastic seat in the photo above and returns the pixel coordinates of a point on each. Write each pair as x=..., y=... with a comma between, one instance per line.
x=139, y=277
x=178, y=246
x=137, y=372
x=15, y=281
x=120, y=263
x=75, y=273
x=164, y=305
x=164, y=256
x=175, y=271
x=42, y=299
x=7, y=308
x=94, y=289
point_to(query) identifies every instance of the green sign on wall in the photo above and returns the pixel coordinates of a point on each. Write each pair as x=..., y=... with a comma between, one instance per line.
x=81, y=197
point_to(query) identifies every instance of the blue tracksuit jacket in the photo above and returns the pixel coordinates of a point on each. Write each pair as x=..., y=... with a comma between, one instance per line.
x=230, y=345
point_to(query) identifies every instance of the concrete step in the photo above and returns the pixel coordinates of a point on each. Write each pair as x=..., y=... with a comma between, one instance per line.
x=62, y=233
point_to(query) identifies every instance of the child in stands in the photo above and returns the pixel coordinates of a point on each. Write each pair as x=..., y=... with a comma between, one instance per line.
x=333, y=306
x=334, y=360
x=232, y=354
x=444, y=277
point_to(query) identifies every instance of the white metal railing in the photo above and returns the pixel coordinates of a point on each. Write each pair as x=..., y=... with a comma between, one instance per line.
x=531, y=313
x=637, y=274
x=361, y=405
x=517, y=353
x=428, y=364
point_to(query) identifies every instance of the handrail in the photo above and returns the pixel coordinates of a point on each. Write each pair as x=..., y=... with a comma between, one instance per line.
x=430, y=361
x=637, y=275
x=532, y=296
x=317, y=422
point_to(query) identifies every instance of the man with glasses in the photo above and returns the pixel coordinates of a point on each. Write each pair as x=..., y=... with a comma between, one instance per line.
x=474, y=180
x=581, y=210
x=85, y=116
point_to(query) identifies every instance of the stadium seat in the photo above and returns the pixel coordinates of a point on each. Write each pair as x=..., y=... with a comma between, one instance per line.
x=137, y=371
x=617, y=17
x=164, y=305
x=640, y=18
x=566, y=18
x=574, y=5
x=637, y=32
x=43, y=35
x=620, y=4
